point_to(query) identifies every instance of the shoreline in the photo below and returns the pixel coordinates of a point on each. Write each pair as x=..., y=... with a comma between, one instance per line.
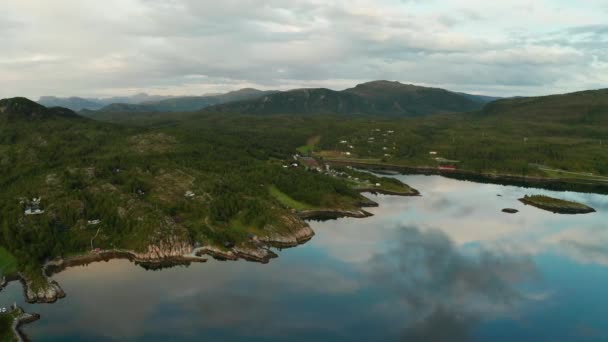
x=159, y=257
x=556, y=184
x=300, y=233
x=23, y=319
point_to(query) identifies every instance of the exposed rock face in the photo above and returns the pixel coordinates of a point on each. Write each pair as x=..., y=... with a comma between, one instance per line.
x=295, y=232
x=169, y=248
x=262, y=255
x=332, y=214
x=217, y=253
x=48, y=293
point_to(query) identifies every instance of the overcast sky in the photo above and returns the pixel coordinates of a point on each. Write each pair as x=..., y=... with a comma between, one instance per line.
x=120, y=47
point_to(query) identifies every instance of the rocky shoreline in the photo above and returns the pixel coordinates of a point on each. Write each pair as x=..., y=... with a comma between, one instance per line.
x=24, y=318
x=173, y=252
x=332, y=214
x=166, y=254
x=377, y=191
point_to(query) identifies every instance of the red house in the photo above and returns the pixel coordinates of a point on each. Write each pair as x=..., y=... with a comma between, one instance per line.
x=447, y=167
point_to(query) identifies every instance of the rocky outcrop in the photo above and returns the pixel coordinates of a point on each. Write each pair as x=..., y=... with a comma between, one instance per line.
x=332, y=214
x=262, y=255
x=166, y=249
x=375, y=191
x=217, y=253
x=45, y=293
x=22, y=319
x=294, y=231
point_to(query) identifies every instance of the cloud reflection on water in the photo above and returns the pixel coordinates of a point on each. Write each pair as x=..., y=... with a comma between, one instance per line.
x=441, y=291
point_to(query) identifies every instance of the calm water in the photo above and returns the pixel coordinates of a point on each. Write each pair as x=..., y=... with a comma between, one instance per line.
x=446, y=266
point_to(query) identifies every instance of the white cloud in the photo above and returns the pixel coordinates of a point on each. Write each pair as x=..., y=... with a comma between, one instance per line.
x=69, y=47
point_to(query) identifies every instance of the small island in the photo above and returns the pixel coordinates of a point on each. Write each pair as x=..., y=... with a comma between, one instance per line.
x=556, y=205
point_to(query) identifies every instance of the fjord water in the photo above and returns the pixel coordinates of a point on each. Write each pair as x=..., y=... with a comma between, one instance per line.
x=447, y=266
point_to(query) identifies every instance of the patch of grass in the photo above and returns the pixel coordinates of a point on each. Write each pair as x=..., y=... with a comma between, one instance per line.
x=286, y=200
x=553, y=202
x=311, y=143
x=8, y=263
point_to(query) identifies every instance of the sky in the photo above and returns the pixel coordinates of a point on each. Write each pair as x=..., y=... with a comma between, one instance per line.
x=94, y=48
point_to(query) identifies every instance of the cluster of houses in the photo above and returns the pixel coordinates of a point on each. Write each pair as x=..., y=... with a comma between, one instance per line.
x=444, y=164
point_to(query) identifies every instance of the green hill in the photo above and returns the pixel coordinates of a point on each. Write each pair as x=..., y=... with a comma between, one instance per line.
x=584, y=107
x=190, y=183
x=20, y=108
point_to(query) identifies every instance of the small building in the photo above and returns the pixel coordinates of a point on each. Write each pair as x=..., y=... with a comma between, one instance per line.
x=343, y=142
x=447, y=167
x=33, y=207
x=93, y=222
x=347, y=153
x=33, y=211
x=433, y=153
x=189, y=194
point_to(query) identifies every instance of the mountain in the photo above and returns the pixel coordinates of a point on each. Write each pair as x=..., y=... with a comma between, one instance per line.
x=22, y=108
x=185, y=103
x=590, y=106
x=385, y=98
x=79, y=103
x=73, y=103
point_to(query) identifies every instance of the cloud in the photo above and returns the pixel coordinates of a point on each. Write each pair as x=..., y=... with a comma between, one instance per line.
x=444, y=291
x=117, y=47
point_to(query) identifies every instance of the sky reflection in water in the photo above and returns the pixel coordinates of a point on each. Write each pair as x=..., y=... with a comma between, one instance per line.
x=445, y=266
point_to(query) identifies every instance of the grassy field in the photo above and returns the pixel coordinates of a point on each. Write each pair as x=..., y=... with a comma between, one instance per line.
x=288, y=201
x=311, y=143
x=8, y=263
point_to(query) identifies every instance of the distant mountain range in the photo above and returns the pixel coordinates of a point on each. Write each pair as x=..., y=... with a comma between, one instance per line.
x=79, y=103
x=146, y=103
x=385, y=98
x=373, y=98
